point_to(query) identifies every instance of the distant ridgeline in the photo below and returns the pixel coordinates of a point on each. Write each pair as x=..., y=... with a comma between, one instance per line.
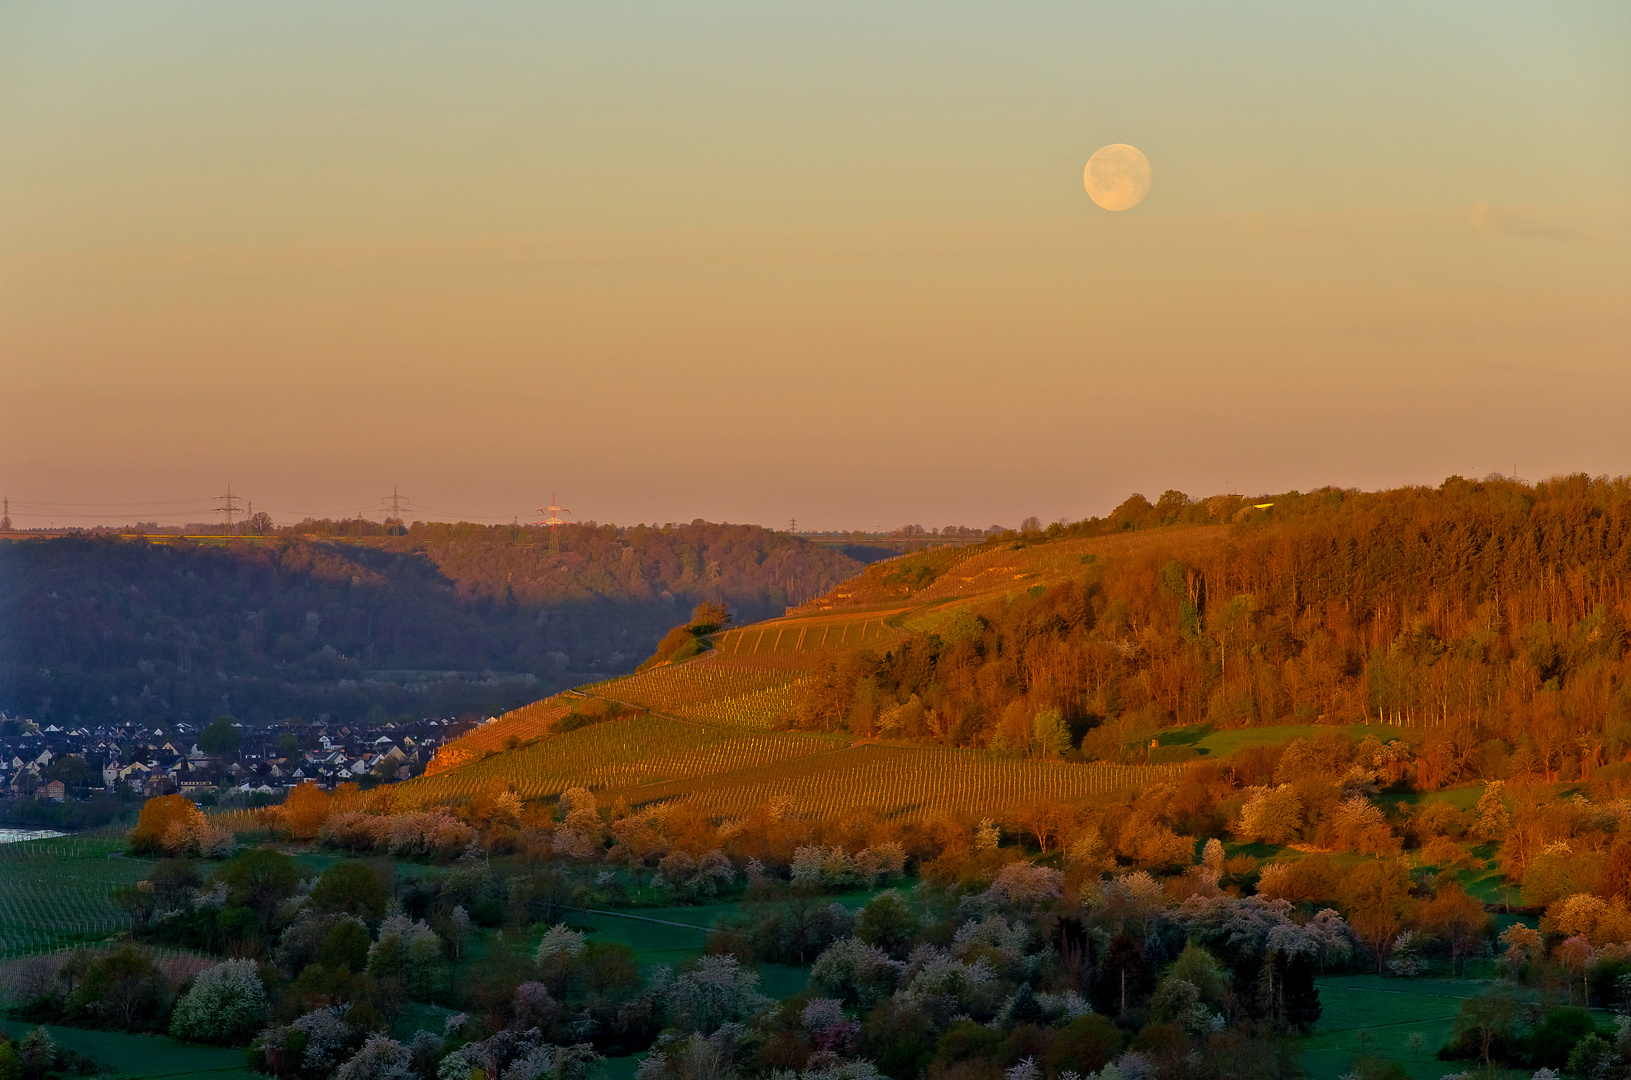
x=441, y=621
x=1485, y=623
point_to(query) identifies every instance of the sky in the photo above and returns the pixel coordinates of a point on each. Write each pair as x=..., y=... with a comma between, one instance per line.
x=823, y=261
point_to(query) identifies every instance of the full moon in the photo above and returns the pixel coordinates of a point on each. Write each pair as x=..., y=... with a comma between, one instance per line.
x=1117, y=176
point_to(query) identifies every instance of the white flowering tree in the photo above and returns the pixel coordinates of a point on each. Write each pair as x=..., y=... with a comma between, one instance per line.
x=381, y=1058
x=227, y=1003
x=717, y=991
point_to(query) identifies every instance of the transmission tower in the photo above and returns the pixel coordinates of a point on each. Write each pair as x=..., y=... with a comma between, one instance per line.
x=394, y=520
x=554, y=521
x=5, y=516
x=229, y=507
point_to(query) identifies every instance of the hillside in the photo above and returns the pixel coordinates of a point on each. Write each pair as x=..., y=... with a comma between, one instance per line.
x=1485, y=623
x=443, y=620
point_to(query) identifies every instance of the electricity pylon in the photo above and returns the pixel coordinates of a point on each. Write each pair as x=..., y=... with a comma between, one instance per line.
x=229, y=507
x=554, y=521
x=395, y=518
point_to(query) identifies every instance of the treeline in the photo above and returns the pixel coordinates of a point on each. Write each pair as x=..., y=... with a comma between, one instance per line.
x=98, y=629
x=994, y=963
x=1491, y=616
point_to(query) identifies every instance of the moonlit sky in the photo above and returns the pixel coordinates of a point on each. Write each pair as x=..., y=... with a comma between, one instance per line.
x=755, y=261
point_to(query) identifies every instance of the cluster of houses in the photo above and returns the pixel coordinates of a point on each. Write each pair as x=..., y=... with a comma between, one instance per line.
x=35, y=759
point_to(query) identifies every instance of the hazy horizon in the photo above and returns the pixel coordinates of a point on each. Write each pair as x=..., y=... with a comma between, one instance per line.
x=833, y=263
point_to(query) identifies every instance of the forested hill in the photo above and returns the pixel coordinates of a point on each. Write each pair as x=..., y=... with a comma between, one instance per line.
x=103, y=629
x=1490, y=615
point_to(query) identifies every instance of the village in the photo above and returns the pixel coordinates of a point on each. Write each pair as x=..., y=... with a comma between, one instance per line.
x=225, y=762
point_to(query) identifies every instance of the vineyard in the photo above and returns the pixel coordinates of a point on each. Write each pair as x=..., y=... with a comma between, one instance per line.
x=797, y=637
x=54, y=893
x=713, y=689
x=622, y=753
x=708, y=736
x=525, y=724
x=892, y=580
x=906, y=782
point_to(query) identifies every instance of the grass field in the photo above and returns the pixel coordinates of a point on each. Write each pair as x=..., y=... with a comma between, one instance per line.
x=1220, y=744
x=146, y=1057
x=54, y=892
x=1372, y=1014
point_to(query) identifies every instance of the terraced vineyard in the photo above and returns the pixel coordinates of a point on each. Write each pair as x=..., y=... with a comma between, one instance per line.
x=906, y=781
x=798, y=637
x=54, y=892
x=714, y=689
x=624, y=753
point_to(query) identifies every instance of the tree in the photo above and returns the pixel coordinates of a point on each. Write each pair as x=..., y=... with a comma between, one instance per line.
x=716, y=991
x=221, y=738
x=407, y=955
x=887, y=922
x=1272, y=815
x=381, y=1058
x=227, y=1004
x=260, y=879
x=1456, y=917
x=1045, y=818
x=1050, y=735
x=36, y=1053
x=304, y=810
x=352, y=887
x=710, y=616
x=158, y=817
x=1488, y=1016
x=1493, y=818
x=70, y=769
x=1376, y=896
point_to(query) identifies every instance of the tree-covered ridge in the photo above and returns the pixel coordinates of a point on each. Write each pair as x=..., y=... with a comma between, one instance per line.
x=1493, y=615
x=103, y=629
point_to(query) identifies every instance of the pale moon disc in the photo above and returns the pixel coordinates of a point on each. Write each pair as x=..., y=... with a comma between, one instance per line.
x=1117, y=176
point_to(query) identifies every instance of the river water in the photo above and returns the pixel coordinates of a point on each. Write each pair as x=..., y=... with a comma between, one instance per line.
x=11, y=836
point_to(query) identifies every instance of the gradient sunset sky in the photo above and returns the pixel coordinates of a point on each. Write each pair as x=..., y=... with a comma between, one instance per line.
x=835, y=261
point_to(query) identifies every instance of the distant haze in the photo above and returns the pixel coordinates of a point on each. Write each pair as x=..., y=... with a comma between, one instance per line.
x=833, y=262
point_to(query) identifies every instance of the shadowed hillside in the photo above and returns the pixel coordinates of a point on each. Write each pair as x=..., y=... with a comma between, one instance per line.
x=444, y=620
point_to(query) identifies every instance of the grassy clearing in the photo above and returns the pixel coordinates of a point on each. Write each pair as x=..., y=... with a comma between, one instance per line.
x=1220, y=744
x=1372, y=1014
x=144, y=1057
